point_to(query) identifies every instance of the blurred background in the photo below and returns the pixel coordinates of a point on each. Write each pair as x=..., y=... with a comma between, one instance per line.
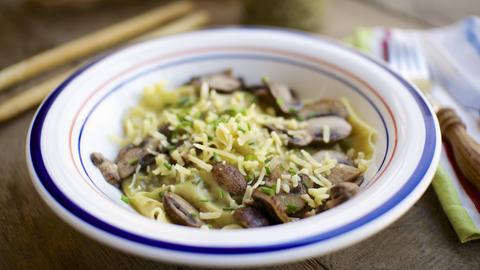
x=30, y=26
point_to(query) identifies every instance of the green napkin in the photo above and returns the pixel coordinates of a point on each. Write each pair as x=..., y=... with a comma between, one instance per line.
x=459, y=217
x=456, y=213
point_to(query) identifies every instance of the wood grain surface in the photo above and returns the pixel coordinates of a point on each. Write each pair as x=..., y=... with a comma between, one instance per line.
x=33, y=237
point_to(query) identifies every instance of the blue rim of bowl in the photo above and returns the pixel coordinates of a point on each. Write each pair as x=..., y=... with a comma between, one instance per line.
x=417, y=176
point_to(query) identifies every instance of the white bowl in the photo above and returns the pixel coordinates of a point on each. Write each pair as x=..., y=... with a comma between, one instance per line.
x=81, y=114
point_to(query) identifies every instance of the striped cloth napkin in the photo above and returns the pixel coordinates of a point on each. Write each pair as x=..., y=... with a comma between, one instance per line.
x=455, y=65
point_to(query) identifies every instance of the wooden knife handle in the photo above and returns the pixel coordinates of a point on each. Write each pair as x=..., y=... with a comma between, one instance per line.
x=465, y=149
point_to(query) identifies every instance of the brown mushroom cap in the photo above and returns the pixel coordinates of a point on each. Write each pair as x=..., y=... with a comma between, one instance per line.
x=270, y=206
x=324, y=107
x=130, y=156
x=230, y=178
x=286, y=99
x=343, y=173
x=179, y=211
x=223, y=81
x=339, y=128
x=333, y=154
x=250, y=217
x=108, y=169
x=292, y=203
x=340, y=193
x=300, y=138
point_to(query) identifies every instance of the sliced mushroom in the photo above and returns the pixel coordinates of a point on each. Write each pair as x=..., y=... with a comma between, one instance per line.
x=343, y=173
x=131, y=156
x=339, y=128
x=271, y=179
x=292, y=203
x=179, y=211
x=223, y=81
x=286, y=99
x=108, y=169
x=250, y=217
x=300, y=138
x=307, y=181
x=341, y=193
x=271, y=206
x=337, y=155
x=230, y=178
x=324, y=107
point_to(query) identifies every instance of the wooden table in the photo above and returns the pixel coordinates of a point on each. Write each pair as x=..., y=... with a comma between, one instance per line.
x=33, y=237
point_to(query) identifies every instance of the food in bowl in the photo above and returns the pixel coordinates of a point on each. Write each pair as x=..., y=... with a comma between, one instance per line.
x=217, y=153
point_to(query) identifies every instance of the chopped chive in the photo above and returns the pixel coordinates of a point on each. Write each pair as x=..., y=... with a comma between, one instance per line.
x=203, y=200
x=160, y=194
x=267, y=170
x=193, y=214
x=292, y=110
x=280, y=101
x=291, y=209
x=291, y=171
x=216, y=157
x=209, y=137
x=198, y=115
x=184, y=101
x=250, y=157
x=248, y=126
x=250, y=178
x=268, y=190
x=170, y=147
x=242, y=130
x=125, y=199
x=251, y=143
x=228, y=209
x=186, y=123
x=231, y=112
x=221, y=194
x=243, y=111
x=167, y=165
x=305, y=184
x=197, y=181
x=133, y=161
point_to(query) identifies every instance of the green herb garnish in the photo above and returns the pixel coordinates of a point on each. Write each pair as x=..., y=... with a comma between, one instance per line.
x=185, y=101
x=250, y=157
x=167, y=165
x=291, y=209
x=133, y=161
x=292, y=110
x=280, y=101
x=125, y=199
x=268, y=190
x=250, y=178
x=209, y=137
x=267, y=170
x=221, y=194
x=242, y=130
x=291, y=171
x=231, y=111
x=251, y=143
x=197, y=181
x=193, y=214
x=228, y=209
x=216, y=157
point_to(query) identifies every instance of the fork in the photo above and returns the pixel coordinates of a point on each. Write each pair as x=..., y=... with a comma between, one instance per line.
x=406, y=56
